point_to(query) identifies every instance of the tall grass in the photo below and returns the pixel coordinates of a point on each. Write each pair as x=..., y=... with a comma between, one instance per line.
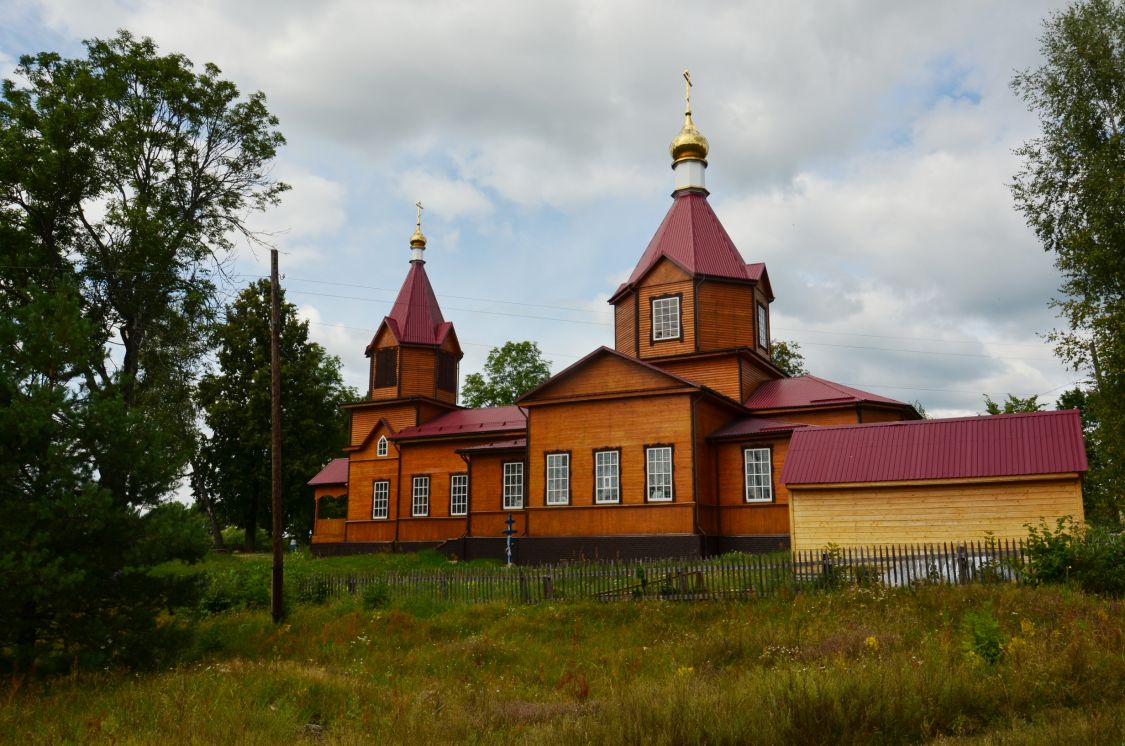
x=854, y=666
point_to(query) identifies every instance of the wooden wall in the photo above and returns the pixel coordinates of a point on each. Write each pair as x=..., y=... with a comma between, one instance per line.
x=752, y=377
x=666, y=279
x=365, y=418
x=718, y=372
x=328, y=530
x=383, y=339
x=726, y=315
x=738, y=517
x=628, y=424
x=929, y=512
x=625, y=324
x=486, y=494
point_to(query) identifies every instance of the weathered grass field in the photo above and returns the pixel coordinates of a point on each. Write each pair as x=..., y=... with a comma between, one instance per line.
x=955, y=665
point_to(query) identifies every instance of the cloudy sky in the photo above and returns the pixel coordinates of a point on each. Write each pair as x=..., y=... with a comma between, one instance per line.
x=861, y=149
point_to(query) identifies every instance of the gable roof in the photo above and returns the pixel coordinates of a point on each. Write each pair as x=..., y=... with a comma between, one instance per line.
x=810, y=391
x=416, y=317
x=692, y=237
x=336, y=472
x=959, y=448
x=602, y=352
x=468, y=422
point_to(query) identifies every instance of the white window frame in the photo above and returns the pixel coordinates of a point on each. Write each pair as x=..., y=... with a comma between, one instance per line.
x=666, y=318
x=513, y=485
x=558, y=479
x=420, y=497
x=458, y=494
x=763, y=327
x=607, y=477
x=381, y=446
x=662, y=479
x=376, y=502
x=757, y=473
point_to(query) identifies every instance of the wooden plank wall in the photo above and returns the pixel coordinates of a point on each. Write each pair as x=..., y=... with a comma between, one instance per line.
x=624, y=325
x=726, y=315
x=628, y=424
x=740, y=518
x=752, y=377
x=399, y=416
x=606, y=375
x=719, y=373
x=486, y=491
x=862, y=515
x=418, y=371
x=666, y=279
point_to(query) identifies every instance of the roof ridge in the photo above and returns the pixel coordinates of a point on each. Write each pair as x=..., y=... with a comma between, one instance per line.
x=950, y=420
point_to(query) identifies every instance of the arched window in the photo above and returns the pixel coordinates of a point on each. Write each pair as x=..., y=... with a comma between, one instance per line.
x=381, y=447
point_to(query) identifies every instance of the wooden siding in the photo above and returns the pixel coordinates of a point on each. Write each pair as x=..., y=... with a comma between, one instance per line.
x=486, y=495
x=845, y=415
x=719, y=373
x=913, y=513
x=752, y=377
x=625, y=424
x=383, y=339
x=709, y=417
x=625, y=325
x=878, y=414
x=371, y=531
x=363, y=472
x=666, y=279
x=726, y=315
x=738, y=517
x=605, y=375
x=399, y=416
x=328, y=531
x=418, y=372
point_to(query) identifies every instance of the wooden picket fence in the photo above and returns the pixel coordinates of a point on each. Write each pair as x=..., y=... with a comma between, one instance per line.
x=739, y=576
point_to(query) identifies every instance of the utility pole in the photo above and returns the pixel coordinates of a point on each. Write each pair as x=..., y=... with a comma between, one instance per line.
x=278, y=606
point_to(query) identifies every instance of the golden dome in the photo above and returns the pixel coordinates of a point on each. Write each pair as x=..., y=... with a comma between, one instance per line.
x=689, y=144
x=418, y=239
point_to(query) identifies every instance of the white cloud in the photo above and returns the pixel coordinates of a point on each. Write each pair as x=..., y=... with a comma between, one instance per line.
x=446, y=198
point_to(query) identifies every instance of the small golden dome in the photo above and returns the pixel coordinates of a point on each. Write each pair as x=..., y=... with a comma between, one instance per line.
x=689, y=144
x=418, y=240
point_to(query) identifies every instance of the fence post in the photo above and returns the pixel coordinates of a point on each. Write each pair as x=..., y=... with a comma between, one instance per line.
x=826, y=567
x=351, y=585
x=682, y=580
x=525, y=589
x=548, y=588
x=962, y=564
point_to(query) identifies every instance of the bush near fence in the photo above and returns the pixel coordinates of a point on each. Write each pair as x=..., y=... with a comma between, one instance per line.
x=729, y=577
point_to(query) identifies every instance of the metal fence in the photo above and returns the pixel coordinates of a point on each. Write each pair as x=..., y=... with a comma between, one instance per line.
x=738, y=576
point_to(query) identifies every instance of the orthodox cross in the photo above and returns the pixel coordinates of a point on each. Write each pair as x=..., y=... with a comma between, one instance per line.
x=419, y=206
x=687, y=91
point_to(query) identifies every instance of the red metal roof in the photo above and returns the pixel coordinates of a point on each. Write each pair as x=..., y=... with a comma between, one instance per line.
x=335, y=473
x=960, y=448
x=496, y=445
x=755, y=426
x=468, y=422
x=416, y=317
x=692, y=237
x=809, y=391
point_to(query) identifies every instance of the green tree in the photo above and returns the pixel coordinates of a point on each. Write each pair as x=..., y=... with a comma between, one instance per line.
x=236, y=404
x=509, y=373
x=122, y=176
x=1012, y=405
x=1071, y=189
x=787, y=357
x=1097, y=496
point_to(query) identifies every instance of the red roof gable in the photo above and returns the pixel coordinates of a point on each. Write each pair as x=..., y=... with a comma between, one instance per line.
x=335, y=473
x=416, y=317
x=809, y=391
x=961, y=448
x=692, y=237
x=468, y=422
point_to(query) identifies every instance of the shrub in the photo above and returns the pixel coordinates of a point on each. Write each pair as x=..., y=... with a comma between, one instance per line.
x=981, y=636
x=376, y=596
x=1091, y=557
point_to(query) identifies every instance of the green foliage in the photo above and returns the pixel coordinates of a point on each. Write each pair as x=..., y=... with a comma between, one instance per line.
x=1071, y=190
x=333, y=506
x=1101, y=496
x=376, y=596
x=1012, y=405
x=1091, y=557
x=170, y=531
x=236, y=406
x=122, y=177
x=509, y=373
x=981, y=636
x=787, y=357
x=233, y=536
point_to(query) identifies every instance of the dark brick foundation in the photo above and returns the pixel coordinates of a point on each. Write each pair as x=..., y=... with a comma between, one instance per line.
x=759, y=544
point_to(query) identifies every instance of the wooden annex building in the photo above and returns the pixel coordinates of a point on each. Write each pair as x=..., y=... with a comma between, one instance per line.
x=682, y=438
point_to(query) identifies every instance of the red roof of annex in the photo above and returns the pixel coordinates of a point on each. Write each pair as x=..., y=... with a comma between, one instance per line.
x=806, y=391
x=468, y=422
x=957, y=448
x=336, y=472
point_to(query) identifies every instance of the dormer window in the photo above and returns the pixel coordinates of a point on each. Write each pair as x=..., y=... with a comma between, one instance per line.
x=381, y=446
x=666, y=318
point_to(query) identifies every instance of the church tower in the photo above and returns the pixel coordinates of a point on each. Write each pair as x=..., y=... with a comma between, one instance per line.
x=414, y=352
x=692, y=305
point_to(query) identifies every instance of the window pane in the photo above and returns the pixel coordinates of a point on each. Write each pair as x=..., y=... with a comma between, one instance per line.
x=658, y=473
x=763, y=332
x=381, y=450
x=380, y=499
x=558, y=478
x=759, y=483
x=607, y=477
x=666, y=318
x=420, y=504
x=513, y=485
x=458, y=494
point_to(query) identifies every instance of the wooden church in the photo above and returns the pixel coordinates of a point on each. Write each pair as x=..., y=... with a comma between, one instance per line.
x=675, y=440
